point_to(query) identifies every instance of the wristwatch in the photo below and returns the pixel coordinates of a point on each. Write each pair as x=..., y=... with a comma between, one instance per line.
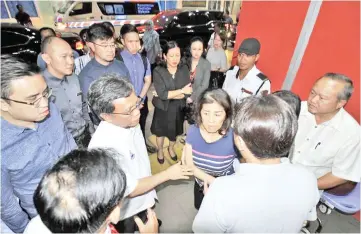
x=142, y=99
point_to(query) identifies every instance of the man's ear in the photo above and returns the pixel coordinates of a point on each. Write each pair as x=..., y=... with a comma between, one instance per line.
x=105, y=117
x=341, y=103
x=91, y=45
x=257, y=57
x=46, y=58
x=238, y=141
x=4, y=105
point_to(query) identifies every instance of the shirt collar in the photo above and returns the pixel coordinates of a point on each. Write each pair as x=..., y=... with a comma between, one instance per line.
x=97, y=64
x=126, y=53
x=253, y=70
x=52, y=79
x=12, y=129
x=335, y=122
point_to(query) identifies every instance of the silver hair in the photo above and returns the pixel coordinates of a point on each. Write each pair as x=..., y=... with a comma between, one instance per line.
x=347, y=91
x=105, y=90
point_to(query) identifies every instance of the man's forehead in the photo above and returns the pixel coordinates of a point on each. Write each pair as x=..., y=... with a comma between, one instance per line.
x=104, y=41
x=28, y=85
x=328, y=86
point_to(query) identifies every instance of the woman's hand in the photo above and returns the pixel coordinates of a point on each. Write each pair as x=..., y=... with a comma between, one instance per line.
x=155, y=93
x=187, y=89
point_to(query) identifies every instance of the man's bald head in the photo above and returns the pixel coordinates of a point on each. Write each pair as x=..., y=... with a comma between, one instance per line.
x=58, y=56
x=53, y=42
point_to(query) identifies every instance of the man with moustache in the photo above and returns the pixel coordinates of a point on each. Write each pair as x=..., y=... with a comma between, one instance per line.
x=65, y=86
x=245, y=79
x=113, y=100
x=101, y=42
x=32, y=140
x=328, y=139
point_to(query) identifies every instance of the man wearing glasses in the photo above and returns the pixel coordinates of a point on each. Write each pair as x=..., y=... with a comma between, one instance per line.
x=113, y=100
x=101, y=42
x=67, y=95
x=32, y=139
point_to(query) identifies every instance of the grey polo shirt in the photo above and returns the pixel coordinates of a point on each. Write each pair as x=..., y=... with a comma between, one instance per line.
x=68, y=98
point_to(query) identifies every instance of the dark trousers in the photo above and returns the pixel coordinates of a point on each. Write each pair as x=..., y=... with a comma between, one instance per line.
x=128, y=225
x=143, y=117
x=83, y=139
x=198, y=195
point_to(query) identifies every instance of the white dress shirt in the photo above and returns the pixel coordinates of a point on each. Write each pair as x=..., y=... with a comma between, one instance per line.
x=248, y=86
x=129, y=143
x=333, y=146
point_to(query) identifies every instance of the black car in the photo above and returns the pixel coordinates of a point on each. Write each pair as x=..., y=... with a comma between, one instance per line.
x=25, y=42
x=181, y=26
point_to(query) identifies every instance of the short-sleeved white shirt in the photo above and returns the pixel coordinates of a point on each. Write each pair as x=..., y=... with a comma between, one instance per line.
x=129, y=142
x=333, y=146
x=248, y=86
x=275, y=198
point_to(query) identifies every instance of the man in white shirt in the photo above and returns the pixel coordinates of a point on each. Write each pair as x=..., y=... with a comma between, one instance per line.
x=113, y=100
x=244, y=79
x=267, y=194
x=328, y=140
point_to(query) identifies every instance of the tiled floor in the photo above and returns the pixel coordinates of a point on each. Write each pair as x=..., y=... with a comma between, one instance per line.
x=176, y=210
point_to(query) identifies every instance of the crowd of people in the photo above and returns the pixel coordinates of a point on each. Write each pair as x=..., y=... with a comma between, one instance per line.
x=75, y=156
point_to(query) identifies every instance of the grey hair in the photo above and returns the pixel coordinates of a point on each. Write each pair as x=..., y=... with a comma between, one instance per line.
x=105, y=90
x=347, y=91
x=14, y=68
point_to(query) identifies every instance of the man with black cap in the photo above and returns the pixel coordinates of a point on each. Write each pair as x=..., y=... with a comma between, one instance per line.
x=245, y=79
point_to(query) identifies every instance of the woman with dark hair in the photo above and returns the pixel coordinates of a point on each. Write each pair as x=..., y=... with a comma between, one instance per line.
x=172, y=85
x=209, y=148
x=200, y=70
x=218, y=59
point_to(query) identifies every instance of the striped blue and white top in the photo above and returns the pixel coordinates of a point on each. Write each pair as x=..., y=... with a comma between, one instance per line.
x=214, y=158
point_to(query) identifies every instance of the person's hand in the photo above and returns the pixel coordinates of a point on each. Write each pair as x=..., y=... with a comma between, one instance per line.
x=151, y=225
x=141, y=105
x=205, y=187
x=155, y=93
x=189, y=100
x=206, y=184
x=183, y=159
x=187, y=89
x=178, y=171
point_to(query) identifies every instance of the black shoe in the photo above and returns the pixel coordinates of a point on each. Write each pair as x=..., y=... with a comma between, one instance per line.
x=174, y=158
x=151, y=149
x=159, y=222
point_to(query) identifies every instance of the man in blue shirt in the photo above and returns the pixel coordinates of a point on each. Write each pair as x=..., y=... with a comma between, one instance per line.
x=32, y=140
x=101, y=42
x=140, y=72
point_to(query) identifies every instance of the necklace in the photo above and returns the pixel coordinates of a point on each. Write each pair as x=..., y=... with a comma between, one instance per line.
x=172, y=74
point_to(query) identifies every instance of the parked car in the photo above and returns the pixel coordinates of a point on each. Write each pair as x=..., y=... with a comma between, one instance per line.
x=25, y=42
x=181, y=26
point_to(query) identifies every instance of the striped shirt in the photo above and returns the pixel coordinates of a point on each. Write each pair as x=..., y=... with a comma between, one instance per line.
x=216, y=158
x=81, y=62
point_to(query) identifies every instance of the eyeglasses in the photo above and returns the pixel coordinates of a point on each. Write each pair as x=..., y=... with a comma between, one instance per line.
x=111, y=46
x=46, y=94
x=131, y=111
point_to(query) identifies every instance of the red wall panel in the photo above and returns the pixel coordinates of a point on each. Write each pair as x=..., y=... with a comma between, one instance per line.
x=334, y=46
x=277, y=25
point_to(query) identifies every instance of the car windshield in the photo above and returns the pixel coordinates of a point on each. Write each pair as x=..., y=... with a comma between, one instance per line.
x=163, y=19
x=65, y=7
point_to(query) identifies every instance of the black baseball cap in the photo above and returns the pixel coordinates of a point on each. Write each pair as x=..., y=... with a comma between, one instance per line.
x=250, y=46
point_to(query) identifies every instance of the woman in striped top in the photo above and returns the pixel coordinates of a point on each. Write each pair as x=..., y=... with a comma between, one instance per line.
x=209, y=148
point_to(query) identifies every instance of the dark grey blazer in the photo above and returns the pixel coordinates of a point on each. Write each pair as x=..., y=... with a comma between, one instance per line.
x=163, y=82
x=201, y=81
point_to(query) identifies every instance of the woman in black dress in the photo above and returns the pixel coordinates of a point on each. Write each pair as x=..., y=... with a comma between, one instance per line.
x=173, y=86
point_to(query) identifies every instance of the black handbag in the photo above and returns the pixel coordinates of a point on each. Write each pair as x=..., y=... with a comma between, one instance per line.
x=217, y=79
x=189, y=113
